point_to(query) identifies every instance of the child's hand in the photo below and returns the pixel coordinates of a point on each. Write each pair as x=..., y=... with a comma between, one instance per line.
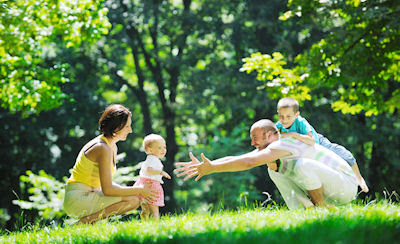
x=165, y=174
x=363, y=185
x=287, y=135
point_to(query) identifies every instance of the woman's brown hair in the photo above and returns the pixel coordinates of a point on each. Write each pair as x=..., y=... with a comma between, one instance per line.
x=113, y=119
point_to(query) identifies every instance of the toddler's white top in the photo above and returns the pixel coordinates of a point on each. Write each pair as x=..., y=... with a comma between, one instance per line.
x=155, y=163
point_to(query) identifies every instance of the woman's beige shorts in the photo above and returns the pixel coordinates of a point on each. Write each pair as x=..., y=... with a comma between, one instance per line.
x=81, y=200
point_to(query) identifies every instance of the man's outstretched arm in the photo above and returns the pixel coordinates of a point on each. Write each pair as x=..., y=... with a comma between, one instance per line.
x=227, y=164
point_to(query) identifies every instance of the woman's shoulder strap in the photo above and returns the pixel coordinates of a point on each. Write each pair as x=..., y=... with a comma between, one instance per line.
x=96, y=143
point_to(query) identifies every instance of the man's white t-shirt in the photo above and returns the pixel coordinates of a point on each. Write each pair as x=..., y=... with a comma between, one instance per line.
x=155, y=163
x=298, y=150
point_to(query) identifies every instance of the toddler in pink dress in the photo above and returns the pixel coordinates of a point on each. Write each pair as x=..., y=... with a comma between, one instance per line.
x=151, y=172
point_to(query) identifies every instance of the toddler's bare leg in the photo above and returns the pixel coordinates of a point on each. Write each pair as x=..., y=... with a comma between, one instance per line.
x=154, y=211
x=145, y=211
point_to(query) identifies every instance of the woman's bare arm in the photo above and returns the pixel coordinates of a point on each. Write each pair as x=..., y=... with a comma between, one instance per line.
x=102, y=154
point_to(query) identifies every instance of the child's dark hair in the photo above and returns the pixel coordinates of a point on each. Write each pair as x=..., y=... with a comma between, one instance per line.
x=113, y=119
x=288, y=102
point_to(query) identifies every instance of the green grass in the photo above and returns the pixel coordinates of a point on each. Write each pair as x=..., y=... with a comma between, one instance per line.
x=375, y=223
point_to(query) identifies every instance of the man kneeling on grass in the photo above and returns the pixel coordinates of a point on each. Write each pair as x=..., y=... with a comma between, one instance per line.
x=299, y=171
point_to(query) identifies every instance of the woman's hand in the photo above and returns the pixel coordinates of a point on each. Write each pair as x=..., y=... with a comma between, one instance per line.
x=193, y=168
x=148, y=194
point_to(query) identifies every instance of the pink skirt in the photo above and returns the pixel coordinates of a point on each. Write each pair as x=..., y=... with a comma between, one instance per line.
x=155, y=185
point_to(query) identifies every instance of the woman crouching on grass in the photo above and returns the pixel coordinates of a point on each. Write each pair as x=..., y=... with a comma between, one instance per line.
x=90, y=194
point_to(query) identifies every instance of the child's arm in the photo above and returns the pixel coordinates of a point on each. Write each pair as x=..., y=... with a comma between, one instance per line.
x=307, y=138
x=152, y=171
x=360, y=179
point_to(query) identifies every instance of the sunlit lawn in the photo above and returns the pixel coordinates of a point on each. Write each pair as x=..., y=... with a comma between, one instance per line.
x=375, y=223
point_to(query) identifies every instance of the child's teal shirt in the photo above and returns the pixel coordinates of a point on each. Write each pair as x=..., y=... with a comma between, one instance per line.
x=301, y=126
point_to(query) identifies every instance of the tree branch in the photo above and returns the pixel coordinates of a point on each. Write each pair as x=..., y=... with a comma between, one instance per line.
x=134, y=35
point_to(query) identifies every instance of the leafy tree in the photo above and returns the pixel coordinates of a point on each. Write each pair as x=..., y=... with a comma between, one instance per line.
x=280, y=80
x=51, y=139
x=30, y=77
x=358, y=55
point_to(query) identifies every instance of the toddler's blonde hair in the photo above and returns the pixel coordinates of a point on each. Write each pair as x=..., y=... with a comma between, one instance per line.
x=150, y=139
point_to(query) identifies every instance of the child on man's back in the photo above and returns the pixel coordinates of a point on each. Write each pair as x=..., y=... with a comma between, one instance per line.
x=291, y=124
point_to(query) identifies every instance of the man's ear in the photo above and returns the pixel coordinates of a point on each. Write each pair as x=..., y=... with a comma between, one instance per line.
x=270, y=136
x=297, y=114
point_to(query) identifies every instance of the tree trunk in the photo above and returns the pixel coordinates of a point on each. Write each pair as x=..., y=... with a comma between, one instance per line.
x=169, y=165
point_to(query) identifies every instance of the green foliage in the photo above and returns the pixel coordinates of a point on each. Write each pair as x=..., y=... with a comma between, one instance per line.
x=374, y=223
x=4, y=216
x=30, y=75
x=358, y=56
x=279, y=81
x=46, y=195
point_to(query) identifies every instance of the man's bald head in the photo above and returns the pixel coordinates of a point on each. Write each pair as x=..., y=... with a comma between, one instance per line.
x=265, y=124
x=262, y=133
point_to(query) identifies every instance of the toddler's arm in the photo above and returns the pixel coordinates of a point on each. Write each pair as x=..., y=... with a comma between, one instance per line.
x=307, y=138
x=152, y=171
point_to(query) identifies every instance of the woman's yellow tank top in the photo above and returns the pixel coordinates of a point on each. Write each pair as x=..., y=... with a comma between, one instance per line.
x=86, y=171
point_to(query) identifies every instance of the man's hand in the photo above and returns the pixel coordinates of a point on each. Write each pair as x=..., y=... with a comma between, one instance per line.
x=186, y=165
x=193, y=168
